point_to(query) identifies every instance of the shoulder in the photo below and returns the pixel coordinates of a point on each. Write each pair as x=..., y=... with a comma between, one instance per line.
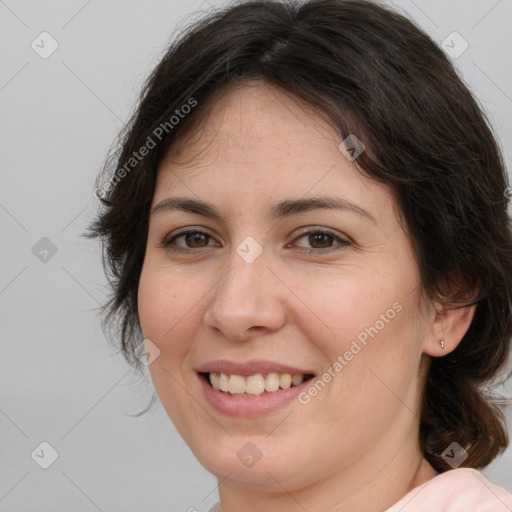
x=457, y=490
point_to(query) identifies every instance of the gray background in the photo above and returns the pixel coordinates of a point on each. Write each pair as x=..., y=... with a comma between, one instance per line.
x=60, y=381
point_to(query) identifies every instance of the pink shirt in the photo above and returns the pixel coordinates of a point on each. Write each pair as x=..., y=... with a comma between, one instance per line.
x=457, y=490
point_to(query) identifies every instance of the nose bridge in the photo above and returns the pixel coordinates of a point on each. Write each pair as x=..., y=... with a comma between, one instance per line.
x=246, y=261
x=243, y=284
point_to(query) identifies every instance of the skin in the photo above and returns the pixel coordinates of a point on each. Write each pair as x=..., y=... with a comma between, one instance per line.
x=354, y=446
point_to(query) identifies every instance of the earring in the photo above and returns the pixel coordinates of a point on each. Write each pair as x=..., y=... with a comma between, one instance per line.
x=442, y=343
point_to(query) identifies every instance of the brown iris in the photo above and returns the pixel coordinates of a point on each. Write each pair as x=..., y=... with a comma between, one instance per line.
x=323, y=238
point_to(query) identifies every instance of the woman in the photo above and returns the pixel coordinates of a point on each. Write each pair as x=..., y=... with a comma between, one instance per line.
x=307, y=225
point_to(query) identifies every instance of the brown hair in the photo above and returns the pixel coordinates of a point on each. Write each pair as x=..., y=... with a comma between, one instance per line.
x=374, y=73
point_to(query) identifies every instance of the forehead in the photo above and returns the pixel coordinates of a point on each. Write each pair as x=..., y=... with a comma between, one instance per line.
x=253, y=115
x=263, y=143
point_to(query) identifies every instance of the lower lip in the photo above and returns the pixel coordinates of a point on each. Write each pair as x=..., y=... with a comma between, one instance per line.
x=250, y=406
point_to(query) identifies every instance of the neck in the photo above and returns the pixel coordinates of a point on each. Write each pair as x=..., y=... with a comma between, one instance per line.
x=360, y=487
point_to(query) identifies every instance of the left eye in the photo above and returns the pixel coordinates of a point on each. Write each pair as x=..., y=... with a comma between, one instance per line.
x=320, y=240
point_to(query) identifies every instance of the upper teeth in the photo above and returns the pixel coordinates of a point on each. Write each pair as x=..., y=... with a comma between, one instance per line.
x=254, y=384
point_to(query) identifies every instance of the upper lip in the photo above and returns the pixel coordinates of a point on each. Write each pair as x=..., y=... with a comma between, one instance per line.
x=249, y=367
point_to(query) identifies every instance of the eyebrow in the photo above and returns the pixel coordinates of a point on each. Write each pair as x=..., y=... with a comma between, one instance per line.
x=279, y=210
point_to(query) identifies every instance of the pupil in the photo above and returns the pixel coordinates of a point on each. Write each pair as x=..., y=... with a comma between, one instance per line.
x=195, y=238
x=322, y=238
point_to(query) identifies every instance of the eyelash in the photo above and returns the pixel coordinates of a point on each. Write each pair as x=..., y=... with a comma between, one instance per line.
x=168, y=242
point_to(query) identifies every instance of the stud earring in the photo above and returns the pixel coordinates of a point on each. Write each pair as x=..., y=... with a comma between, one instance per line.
x=442, y=343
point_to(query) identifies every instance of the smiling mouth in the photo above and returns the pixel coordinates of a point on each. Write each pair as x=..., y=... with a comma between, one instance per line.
x=253, y=385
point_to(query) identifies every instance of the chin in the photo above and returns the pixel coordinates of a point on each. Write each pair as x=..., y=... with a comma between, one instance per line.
x=258, y=463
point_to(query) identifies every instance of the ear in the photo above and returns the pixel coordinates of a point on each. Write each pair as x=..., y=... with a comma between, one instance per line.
x=449, y=326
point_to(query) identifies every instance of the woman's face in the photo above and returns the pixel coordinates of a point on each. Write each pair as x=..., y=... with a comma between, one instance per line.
x=275, y=284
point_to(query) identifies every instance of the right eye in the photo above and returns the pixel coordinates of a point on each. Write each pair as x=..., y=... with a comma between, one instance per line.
x=194, y=240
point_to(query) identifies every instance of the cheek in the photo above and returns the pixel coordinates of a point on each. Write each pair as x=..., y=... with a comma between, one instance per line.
x=171, y=306
x=358, y=306
x=371, y=366
x=369, y=328
x=166, y=309
x=168, y=313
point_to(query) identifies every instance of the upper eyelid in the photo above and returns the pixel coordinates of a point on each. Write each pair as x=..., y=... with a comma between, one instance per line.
x=319, y=229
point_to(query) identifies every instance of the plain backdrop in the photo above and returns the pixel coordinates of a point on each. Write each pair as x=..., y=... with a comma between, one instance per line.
x=60, y=382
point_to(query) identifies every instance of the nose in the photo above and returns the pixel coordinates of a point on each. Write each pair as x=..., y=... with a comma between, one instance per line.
x=248, y=301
